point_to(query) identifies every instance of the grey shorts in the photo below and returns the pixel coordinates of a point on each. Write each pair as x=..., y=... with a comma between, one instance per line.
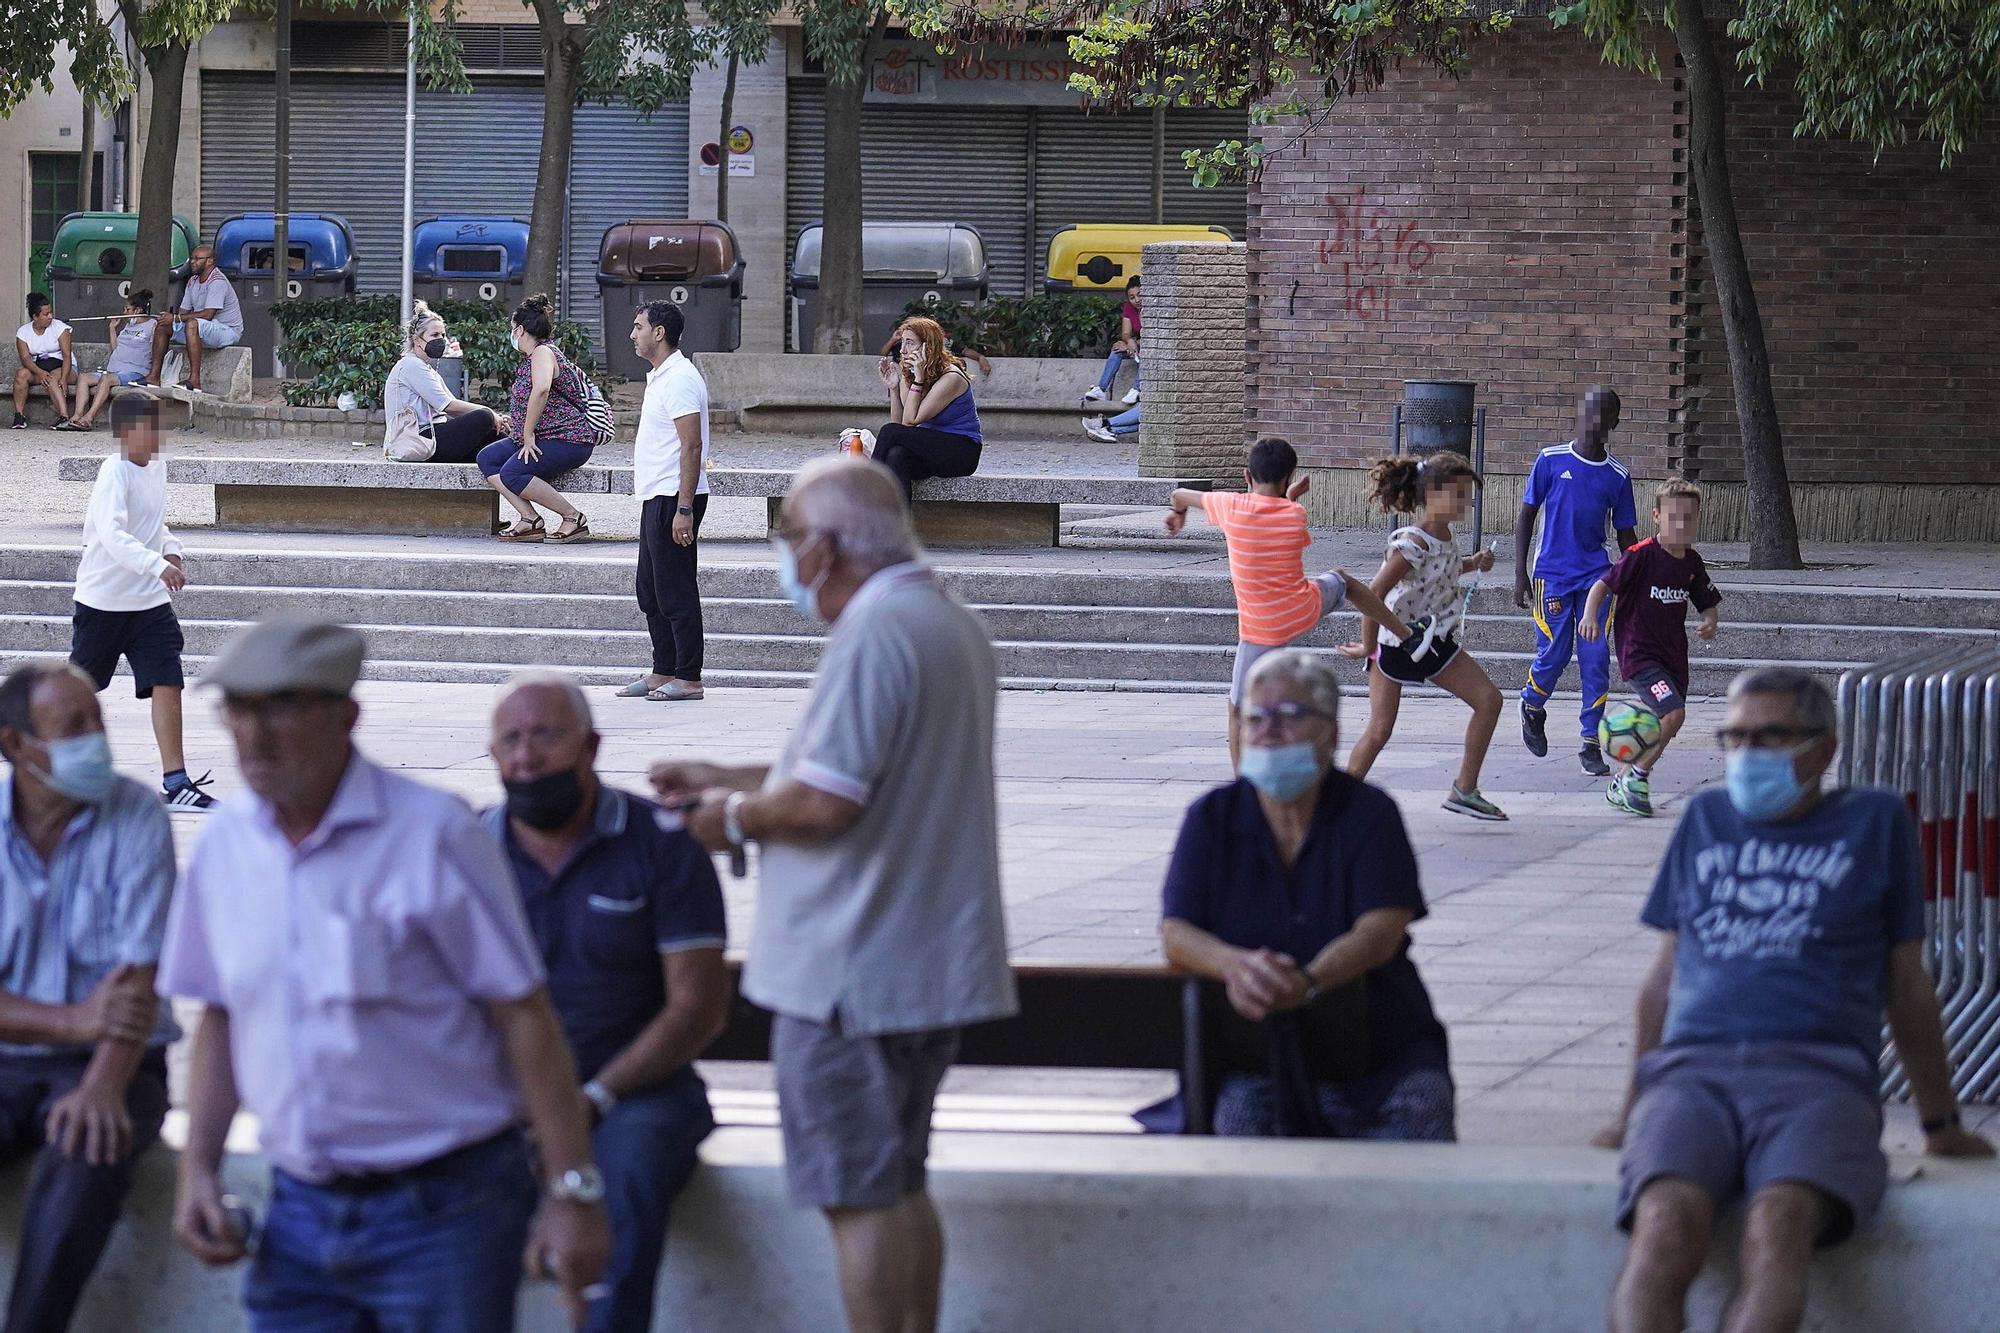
x=855, y=1112
x=1332, y=596
x=1735, y=1118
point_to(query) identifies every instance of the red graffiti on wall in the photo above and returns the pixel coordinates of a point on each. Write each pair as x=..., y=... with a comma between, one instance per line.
x=1372, y=252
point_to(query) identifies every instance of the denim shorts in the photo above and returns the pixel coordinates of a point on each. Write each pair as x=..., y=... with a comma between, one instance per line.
x=1735, y=1117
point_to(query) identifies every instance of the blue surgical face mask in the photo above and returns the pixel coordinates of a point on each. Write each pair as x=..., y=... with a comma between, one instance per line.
x=798, y=594
x=80, y=766
x=1281, y=772
x=1762, y=783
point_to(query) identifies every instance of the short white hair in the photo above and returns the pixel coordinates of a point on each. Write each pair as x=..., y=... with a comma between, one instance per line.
x=543, y=679
x=1298, y=667
x=861, y=503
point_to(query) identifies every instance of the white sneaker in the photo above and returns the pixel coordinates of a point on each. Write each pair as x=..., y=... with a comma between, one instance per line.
x=1095, y=395
x=1100, y=434
x=1131, y=396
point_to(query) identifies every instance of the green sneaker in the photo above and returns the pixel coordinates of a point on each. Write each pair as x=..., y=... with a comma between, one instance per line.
x=1638, y=793
x=1472, y=803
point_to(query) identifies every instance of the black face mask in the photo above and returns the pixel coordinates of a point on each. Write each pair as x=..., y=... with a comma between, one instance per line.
x=547, y=802
x=436, y=348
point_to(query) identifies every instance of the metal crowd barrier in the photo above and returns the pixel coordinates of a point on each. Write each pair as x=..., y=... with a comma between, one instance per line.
x=1928, y=727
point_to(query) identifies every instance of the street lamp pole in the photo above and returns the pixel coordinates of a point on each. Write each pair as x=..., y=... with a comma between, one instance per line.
x=281, y=250
x=409, y=165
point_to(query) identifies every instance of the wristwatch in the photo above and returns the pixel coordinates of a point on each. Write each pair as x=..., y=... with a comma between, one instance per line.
x=683, y=509
x=600, y=1097
x=579, y=1184
x=1313, y=992
x=732, y=818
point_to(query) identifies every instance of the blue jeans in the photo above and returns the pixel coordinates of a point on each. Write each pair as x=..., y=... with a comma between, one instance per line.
x=1112, y=365
x=504, y=457
x=1125, y=423
x=435, y=1250
x=646, y=1149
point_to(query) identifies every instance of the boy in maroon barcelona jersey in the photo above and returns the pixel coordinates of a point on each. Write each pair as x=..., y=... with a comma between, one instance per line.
x=1654, y=581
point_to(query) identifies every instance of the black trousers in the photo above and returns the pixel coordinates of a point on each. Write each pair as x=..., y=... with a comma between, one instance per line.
x=460, y=438
x=916, y=452
x=669, y=594
x=72, y=1207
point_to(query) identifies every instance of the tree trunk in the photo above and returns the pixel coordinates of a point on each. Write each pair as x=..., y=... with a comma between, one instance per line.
x=86, y=160
x=1774, y=530
x=153, y=265
x=562, y=67
x=722, y=141
x=840, y=210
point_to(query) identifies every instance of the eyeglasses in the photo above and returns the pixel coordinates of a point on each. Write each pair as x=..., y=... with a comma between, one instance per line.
x=1288, y=718
x=1765, y=738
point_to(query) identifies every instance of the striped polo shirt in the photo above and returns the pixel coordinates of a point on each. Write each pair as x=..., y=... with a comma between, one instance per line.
x=1267, y=545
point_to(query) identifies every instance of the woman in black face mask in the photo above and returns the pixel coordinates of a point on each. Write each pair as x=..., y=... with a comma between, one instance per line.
x=425, y=423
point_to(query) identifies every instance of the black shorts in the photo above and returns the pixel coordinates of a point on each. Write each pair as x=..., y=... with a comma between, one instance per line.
x=1659, y=690
x=150, y=640
x=1396, y=663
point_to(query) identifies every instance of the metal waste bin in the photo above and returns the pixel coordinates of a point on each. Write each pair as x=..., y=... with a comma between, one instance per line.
x=694, y=264
x=320, y=263
x=1100, y=257
x=90, y=266
x=901, y=262
x=469, y=259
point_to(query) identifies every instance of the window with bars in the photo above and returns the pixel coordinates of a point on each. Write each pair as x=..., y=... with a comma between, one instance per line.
x=52, y=196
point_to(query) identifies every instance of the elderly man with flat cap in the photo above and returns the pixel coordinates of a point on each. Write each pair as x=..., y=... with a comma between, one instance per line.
x=373, y=995
x=879, y=927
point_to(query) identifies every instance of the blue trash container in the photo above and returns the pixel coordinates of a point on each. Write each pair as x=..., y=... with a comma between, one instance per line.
x=320, y=264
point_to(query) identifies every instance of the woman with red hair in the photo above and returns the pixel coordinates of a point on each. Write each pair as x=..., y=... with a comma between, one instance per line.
x=933, y=427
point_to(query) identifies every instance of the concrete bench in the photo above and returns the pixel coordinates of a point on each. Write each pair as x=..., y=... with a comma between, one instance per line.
x=1106, y=1233
x=373, y=495
x=811, y=394
x=226, y=371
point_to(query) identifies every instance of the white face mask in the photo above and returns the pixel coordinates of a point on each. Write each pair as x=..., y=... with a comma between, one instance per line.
x=515, y=338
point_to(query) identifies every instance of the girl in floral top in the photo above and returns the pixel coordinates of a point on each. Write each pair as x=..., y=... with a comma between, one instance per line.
x=1419, y=580
x=547, y=432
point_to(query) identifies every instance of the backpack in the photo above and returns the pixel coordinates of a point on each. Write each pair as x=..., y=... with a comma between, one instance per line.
x=596, y=411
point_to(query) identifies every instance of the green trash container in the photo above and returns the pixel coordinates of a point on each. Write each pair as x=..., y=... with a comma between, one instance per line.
x=91, y=262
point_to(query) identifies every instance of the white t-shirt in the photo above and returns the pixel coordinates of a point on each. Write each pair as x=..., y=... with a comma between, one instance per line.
x=1431, y=588
x=674, y=389
x=412, y=398
x=46, y=343
x=125, y=538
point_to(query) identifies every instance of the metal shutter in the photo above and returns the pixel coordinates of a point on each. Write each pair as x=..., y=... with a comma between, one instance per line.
x=1223, y=206
x=1089, y=168
x=943, y=164
x=620, y=167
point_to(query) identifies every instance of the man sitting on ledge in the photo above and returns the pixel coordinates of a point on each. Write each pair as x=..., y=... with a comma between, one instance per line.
x=1793, y=918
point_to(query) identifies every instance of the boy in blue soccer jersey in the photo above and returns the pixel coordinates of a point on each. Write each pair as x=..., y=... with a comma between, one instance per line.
x=1582, y=488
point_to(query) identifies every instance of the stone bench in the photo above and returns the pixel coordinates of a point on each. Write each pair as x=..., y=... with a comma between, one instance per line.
x=373, y=495
x=1103, y=1232
x=1032, y=397
x=226, y=371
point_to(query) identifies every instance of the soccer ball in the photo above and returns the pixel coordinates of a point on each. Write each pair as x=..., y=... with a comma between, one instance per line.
x=1628, y=731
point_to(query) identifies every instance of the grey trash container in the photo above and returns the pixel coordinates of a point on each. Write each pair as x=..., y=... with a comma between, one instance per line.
x=692, y=263
x=320, y=264
x=901, y=262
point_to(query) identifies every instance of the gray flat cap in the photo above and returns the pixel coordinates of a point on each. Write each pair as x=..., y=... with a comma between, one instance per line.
x=274, y=656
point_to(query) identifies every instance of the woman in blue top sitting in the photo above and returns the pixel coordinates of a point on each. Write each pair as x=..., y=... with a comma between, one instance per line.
x=933, y=428
x=1297, y=879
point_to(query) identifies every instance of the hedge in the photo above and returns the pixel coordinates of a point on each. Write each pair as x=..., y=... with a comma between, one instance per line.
x=1064, y=326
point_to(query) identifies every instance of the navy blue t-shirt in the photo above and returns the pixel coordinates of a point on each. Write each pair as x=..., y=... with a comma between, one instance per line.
x=1226, y=879
x=638, y=887
x=1577, y=497
x=1784, y=929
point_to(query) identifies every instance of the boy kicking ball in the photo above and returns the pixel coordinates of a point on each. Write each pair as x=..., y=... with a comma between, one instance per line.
x=1653, y=583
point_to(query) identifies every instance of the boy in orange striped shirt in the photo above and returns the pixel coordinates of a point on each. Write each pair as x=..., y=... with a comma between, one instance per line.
x=1266, y=532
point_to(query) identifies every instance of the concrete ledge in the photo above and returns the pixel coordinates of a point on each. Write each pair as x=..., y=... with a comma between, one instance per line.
x=226, y=369
x=1108, y=1233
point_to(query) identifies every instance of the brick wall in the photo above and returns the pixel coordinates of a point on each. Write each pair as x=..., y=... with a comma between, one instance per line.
x=1879, y=284
x=1192, y=425
x=1519, y=229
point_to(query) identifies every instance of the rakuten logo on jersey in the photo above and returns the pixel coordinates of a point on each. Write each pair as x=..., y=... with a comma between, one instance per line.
x=1671, y=596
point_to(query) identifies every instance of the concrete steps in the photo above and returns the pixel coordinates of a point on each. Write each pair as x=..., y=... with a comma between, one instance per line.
x=476, y=618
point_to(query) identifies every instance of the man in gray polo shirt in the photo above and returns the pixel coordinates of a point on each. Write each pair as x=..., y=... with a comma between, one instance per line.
x=209, y=316
x=879, y=929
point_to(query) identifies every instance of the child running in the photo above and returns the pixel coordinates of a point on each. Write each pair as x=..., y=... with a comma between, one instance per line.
x=125, y=583
x=1419, y=579
x=1653, y=584
x=1576, y=488
x=1266, y=531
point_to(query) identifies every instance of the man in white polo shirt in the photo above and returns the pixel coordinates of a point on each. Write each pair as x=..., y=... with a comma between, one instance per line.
x=670, y=477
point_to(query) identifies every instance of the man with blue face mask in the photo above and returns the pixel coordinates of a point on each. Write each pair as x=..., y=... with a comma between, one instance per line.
x=86, y=872
x=1794, y=920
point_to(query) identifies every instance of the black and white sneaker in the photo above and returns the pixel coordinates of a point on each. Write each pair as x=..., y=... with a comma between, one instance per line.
x=1533, y=735
x=186, y=795
x=20, y=421
x=1591, y=759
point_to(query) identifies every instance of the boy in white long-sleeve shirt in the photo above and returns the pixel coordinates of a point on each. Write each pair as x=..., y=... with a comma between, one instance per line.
x=131, y=568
